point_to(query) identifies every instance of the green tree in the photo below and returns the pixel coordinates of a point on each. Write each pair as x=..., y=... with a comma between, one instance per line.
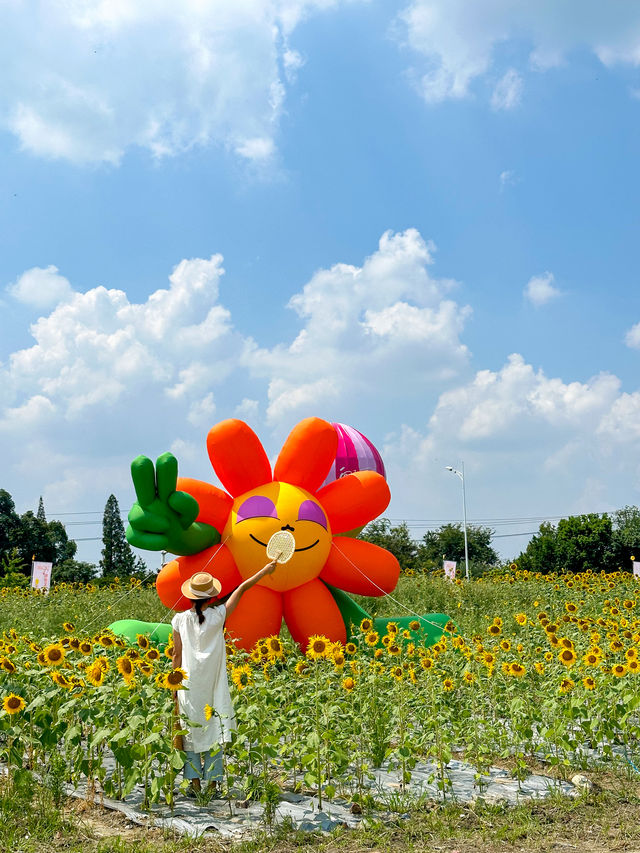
x=395, y=539
x=626, y=535
x=73, y=571
x=40, y=515
x=448, y=542
x=578, y=543
x=12, y=569
x=9, y=523
x=117, y=556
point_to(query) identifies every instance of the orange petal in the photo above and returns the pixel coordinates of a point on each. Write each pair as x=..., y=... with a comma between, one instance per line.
x=258, y=615
x=216, y=560
x=311, y=609
x=215, y=505
x=354, y=500
x=307, y=454
x=237, y=457
x=360, y=567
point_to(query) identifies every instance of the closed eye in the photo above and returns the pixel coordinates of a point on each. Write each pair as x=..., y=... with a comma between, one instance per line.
x=310, y=511
x=256, y=506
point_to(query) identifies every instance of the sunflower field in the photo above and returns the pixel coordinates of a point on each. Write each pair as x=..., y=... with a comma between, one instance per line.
x=532, y=668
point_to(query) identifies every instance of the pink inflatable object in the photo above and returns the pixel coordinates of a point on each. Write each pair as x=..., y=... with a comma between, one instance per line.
x=355, y=453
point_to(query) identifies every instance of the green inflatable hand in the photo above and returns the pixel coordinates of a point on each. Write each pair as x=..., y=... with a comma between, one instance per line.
x=164, y=519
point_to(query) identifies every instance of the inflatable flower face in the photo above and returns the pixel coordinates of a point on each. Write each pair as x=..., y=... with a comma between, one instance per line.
x=258, y=503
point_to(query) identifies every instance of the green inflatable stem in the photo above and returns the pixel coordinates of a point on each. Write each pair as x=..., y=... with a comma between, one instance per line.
x=158, y=632
x=431, y=624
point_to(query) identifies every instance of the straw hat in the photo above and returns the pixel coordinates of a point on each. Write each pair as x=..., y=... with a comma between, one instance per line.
x=201, y=585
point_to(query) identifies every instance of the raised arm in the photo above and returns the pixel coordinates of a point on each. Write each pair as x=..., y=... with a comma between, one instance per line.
x=236, y=595
x=163, y=519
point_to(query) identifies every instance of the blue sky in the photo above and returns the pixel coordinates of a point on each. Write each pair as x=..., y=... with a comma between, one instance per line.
x=426, y=213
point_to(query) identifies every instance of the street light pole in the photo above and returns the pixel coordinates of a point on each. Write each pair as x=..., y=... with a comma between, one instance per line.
x=460, y=474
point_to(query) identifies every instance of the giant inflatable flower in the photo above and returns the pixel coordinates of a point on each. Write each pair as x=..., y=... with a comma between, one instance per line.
x=190, y=517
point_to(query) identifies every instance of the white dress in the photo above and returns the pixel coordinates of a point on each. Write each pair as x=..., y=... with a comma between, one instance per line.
x=204, y=659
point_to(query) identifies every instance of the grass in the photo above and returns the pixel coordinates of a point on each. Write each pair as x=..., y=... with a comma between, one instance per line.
x=604, y=820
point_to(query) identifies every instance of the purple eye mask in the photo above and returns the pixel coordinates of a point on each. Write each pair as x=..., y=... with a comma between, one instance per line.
x=310, y=511
x=257, y=507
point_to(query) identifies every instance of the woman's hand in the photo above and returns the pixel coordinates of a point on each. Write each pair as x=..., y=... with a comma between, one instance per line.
x=270, y=568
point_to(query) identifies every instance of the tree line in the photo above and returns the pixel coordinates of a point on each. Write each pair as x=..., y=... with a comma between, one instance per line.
x=30, y=536
x=600, y=542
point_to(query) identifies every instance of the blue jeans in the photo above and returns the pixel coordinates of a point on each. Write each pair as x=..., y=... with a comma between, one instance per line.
x=204, y=765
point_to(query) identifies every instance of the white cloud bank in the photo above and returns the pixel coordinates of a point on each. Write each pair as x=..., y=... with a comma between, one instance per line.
x=85, y=81
x=459, y=41
x=380, y=345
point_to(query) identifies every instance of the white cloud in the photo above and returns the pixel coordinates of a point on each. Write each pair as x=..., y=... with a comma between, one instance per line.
x=97, y=347
x=508, y=178
x=459, y=41
x=508, y=91
x=540, y=289
x=41, y=287
x=532, y=445
x=86, y=81
x=632, y=338
x=384, y=325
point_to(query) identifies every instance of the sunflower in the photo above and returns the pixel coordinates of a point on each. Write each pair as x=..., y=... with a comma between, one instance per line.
x=397, y=673
x=338, y=660
x=8, y=665
x=208, y=712
x=447, y=685
x=175, y=678
x=539, y=667
x=393, y=649
x=13, y=704
x=387, y=640
x=143, y=641
x=469, y=677
x=74, y=643
x=85, y=648
x=145, y=667
x=133, y=654
x=350, y=648
x=170, y=649
x=53, y=655
x=61, y=680
x=348, y=683
x=274, y=646
x=521, y=618
x=106, y=640
x=494, y=630
x=633, y=666
x=301, y=668
x=95, y=673
x=589, y=682
x=69, y=627
x=619, y=669
x=414, y=625
x=125, y=667
x=241, y=676
x=570, y=607
x=366, y=625
x=567, y=657
x=631, y=653
x=318, y=647
x=372, y=638
x=566, y=685
x=378, y=654
x=505, y=645
x=392, y=628
x=517, y=669
x=152, y=655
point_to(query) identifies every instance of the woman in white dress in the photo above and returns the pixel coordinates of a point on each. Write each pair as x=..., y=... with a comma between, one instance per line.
x=199, y=648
